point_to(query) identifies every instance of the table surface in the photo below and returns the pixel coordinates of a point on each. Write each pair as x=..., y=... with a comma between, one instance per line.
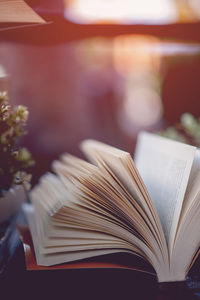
x=84, y=283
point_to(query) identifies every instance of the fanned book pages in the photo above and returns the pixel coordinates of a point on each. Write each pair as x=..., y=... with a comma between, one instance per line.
x=17, y=13
x=148, y=207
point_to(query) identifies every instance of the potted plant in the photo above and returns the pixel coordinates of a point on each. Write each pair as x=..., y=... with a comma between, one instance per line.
x=14, y=179
x=14, y=160
x=186, y=131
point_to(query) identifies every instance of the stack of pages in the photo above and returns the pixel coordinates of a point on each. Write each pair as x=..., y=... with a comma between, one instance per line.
x=149, y=207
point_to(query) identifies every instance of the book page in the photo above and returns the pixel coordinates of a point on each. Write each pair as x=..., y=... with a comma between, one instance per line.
x=187, y=235
x=119, y=166
x=165, y=167
x=51, y=254
x=17, y=11
x=193, y=186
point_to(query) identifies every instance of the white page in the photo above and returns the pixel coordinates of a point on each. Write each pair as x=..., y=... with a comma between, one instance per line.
x=63, y=257
x=193, y=186
x=18, y=11
x=165, y=167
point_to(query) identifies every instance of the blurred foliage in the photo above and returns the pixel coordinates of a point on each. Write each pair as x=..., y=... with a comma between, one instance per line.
x=186, y=131
x=14, y=161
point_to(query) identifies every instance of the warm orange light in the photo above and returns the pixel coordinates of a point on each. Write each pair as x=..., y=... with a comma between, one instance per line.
x=137, y=60
x=94, y=53
x=132, y=52
x=143, y=107
x=195, y=7
x=185, y=10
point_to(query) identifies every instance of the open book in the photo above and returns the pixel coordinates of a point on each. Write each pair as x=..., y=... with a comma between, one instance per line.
x=150, y=208
x=16, y=13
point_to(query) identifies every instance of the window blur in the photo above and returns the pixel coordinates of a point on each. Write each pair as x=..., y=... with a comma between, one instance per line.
x=132, y=11
x=106, y=88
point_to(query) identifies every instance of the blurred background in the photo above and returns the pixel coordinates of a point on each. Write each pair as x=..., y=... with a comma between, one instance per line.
x=102, y=69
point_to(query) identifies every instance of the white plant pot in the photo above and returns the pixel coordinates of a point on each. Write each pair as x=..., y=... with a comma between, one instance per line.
x=11, y=202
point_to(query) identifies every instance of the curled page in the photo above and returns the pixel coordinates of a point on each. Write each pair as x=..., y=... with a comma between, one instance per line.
x=165, y=167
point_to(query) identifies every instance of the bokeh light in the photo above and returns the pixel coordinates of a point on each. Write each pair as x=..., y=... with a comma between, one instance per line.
x=124, y=12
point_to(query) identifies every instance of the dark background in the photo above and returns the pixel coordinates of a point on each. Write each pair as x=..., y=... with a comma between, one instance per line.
x=65, y=74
